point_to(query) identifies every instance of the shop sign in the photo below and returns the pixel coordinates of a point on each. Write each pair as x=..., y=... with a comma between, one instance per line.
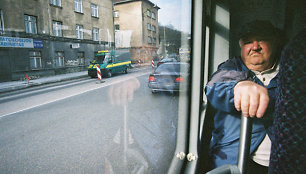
x=17, y=42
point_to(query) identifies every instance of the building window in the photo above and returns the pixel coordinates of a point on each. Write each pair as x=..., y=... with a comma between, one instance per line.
x=95, y=34
x=149, y=40
x=57, y=29
x=154, y=40
x=78, y=6
x=153, y=15
x=81, y=58
x=153, y=28
x=94, y=10
x=79, y=31
x=59, y=59
x=148, y=13
x=116, y=14
x=117, y=27
x=56, y=2
x=148, y=26
x=30, y=24
x=35, y=60
x=1, y=23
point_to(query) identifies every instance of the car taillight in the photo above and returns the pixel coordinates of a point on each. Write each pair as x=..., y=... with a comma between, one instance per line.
x=151, y=79
x=179, y=79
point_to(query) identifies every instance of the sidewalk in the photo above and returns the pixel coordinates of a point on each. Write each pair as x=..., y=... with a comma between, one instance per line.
x=16, y=85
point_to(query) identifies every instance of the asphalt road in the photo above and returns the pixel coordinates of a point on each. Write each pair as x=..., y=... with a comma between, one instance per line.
x=89, y=127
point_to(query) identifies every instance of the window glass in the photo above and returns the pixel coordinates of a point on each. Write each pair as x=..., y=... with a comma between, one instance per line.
x=94, y=10
x=57, y=28
x=116, y=14
x=56, y=2
x=170, y=68
x=81, y=58
x=95, y=34
x=59, y=59
x=117, y=27
x=30, y=24
x=148, y=13
x=149, y=26
x=68, y=120
x=35, y=60
x=78, y=7
x=153, y=15
x=153, y=28
x=79, y=31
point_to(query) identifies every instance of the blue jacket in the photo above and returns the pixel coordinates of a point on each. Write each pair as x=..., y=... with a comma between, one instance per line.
x=224, y=144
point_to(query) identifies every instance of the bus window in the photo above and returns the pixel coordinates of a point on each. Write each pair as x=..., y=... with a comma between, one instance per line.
x=59, y=117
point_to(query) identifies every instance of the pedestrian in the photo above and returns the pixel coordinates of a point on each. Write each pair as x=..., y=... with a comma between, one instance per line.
x=289, y=144
x=245, y=84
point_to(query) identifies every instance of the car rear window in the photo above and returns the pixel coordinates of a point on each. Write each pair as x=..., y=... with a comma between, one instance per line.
x=169, y=67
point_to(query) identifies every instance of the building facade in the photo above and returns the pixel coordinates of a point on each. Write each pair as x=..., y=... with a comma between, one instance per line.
x=136, y=28
x=50, y=37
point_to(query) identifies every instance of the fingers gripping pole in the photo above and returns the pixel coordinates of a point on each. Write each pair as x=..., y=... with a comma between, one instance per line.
x=244, y=145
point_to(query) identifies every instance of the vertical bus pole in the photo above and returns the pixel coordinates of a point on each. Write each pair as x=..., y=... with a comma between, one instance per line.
x=244, y=145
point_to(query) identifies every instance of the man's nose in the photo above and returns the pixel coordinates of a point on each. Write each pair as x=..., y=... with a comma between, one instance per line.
x=255, y=45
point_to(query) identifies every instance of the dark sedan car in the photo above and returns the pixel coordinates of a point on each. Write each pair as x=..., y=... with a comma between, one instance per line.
x=169, y=77
x=166, y=60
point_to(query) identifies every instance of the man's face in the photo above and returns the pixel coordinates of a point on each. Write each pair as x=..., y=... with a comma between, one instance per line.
x=256, y=53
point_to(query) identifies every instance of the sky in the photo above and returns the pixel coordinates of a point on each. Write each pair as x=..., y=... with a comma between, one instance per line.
x=175, y=13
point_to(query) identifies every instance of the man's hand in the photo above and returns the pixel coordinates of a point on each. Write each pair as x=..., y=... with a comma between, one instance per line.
x=251, y=99
x=120, y=94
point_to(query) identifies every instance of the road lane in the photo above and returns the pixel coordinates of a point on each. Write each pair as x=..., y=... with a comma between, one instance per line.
x=25, y=103
x=84, y=133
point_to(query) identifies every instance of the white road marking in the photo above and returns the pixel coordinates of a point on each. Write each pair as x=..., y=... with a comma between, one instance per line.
x=101, y=85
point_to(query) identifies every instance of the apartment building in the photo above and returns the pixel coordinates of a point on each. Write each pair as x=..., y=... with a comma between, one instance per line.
x=136, y=28
x=48, y=37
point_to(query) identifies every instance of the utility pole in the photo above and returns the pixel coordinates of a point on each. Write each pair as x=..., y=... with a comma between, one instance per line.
x=164, y=45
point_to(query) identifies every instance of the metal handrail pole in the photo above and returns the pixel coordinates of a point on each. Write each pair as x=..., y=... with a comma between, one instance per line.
x=244, y=145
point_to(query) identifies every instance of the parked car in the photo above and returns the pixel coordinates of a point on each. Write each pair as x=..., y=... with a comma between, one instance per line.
x=166, y=60
x=170, y=76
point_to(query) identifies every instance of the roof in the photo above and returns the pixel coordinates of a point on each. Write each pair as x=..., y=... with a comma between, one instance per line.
x=128, y=1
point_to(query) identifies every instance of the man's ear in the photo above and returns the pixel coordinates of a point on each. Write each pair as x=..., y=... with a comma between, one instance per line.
x=240, y=43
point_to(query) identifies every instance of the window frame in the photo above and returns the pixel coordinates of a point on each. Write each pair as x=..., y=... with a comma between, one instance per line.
x=153, y=28
x=153, y=15
x=117, y=27
x=94, y=10
x=1, y=22
x=59, y=59
x=148, y=13
x=56, y=2
x=149, y=26
x=30, y=23
x=95, y=34
x=116, y=14
x=81, y=58
x=57, y=28
x=149, y=40
x=37, y=57
x=78, y=6
x=154, y=40
x=79, y=31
